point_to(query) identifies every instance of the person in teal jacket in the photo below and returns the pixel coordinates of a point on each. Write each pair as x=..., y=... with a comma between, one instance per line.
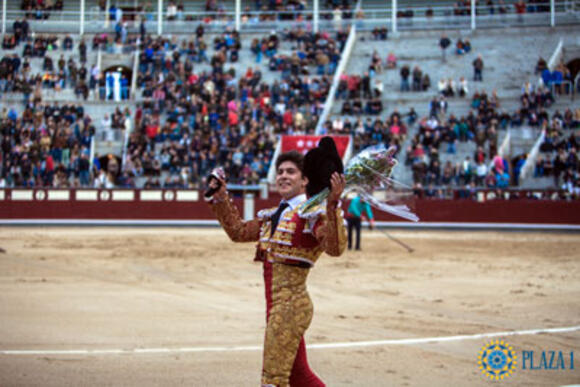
x=356, y=211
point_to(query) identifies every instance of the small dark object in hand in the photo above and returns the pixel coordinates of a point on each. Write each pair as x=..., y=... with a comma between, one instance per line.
x=216, y=174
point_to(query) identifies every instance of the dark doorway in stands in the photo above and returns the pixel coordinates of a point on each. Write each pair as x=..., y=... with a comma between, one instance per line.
x=117, y=83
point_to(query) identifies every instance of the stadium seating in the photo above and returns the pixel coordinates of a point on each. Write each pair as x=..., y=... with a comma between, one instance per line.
x=163, y=125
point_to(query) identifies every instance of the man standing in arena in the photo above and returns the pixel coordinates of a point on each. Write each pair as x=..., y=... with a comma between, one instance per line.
x=288, y=246
x=355, y=213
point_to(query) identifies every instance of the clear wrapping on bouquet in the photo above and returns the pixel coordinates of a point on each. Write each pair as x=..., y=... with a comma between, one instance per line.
x=368, y=171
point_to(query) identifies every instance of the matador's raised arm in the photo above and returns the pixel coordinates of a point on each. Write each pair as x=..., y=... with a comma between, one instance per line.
x=230, y=219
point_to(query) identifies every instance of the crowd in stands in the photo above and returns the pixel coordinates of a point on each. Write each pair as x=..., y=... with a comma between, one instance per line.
x=319, y=50
x=57, y=73
x=46, y=145
x=241, y=115
x=191, y=121
x=381, y=33
x=450, y=88
x=463, y=46
x=486, y=168
x=355, y=89
x=420, y=81
x=189, y=154
x=559, y=156
x=272, y=10
x=219, y=117
x=16, y=75
x=391, y=131
x=491, y=7
x=440, y=131
x=263, y=11
x=423, y=155
x=40, y=9
x=559, y=80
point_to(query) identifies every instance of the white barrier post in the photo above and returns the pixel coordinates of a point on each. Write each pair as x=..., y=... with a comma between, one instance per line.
x=238, y=12
x=82, y=28
x=4, y=16
x=552, y=13
x=159, y=17
x=315, y=16
x=394, y=16
x=472, y=15
x=249, y=206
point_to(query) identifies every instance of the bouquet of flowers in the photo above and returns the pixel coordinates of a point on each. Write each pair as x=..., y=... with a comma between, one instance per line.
x=371, y=169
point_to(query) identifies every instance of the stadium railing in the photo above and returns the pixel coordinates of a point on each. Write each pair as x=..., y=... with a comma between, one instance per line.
x=408, y=18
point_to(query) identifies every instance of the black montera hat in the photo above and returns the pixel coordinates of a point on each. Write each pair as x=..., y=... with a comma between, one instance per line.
x=319, y=165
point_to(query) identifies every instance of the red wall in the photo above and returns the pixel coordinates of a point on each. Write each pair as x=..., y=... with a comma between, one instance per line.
x=498, y=211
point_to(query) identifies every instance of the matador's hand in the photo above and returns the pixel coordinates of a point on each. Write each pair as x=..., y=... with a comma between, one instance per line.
x=217, y=185
x=337, y=185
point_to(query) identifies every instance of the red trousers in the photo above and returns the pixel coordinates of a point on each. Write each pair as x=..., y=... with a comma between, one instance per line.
x=302, y=375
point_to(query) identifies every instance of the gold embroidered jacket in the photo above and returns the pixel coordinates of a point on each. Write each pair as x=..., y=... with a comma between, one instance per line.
x=298, y=240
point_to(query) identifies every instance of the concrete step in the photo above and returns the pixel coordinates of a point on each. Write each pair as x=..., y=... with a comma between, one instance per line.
x=537, y=182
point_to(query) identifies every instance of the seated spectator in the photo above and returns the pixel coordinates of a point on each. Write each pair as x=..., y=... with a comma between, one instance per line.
x=541, y=65
x=404, y=73
x=9, y=42
x=346, y=108
x=442, y=86
x=67, y=43
x=383, y=33
x=380, y=33
x=374, y=107
x=376, y=63
x=459, y=47
x=466, y=46
x=417, y=79
x=462, y=87
x=337, y=125
x=447, y=87
x=490, y=180
x=341, y=92
x=539, y=167
x=357, y=107
x=171, y=11
x=557, y=78
x=425, y=82
x=378, y=88
x=391, y=61
x=411, y=116
x=448, y=175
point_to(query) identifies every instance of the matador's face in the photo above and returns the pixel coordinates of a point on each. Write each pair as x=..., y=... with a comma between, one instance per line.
x=289, y=180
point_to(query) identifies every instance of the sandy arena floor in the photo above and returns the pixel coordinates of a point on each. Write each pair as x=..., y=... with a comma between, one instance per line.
x=129, y=289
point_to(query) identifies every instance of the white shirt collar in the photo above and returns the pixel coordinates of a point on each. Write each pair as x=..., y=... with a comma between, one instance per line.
x=295, y=201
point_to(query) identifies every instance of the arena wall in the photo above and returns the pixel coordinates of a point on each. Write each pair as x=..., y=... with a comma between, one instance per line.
x=187, y=207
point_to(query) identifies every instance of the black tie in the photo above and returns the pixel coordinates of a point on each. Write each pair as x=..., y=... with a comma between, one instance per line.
x=276, y=216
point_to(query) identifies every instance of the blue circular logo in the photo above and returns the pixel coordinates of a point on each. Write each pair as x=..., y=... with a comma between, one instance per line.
x=497, y=360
